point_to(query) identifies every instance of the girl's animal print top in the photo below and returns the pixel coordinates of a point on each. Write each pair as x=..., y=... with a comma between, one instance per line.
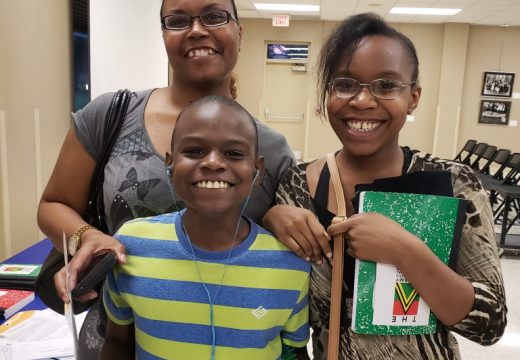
x=477, y=261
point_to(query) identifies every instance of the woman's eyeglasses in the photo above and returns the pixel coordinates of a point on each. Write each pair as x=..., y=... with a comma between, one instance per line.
x=386, y=89
x=210, y=18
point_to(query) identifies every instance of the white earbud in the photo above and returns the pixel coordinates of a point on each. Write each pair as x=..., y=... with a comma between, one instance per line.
x=169, y=170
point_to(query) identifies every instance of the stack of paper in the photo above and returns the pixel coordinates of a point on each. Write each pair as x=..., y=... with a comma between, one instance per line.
x=37, y=335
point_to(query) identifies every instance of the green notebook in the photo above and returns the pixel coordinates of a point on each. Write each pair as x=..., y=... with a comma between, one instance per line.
x=384, y=302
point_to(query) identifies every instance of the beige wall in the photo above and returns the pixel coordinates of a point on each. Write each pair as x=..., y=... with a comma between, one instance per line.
x=35, y=95
x=36, y=98
x=453, y=58
x=495, y=49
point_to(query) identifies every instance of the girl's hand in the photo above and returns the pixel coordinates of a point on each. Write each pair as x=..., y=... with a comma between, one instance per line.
x=373, y=237
x=300, y=231
x=94, y=244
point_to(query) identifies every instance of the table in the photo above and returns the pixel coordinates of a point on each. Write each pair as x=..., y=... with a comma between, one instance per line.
x=34, y=254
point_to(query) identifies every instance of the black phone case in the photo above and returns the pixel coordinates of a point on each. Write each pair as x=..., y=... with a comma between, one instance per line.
x=95, y=276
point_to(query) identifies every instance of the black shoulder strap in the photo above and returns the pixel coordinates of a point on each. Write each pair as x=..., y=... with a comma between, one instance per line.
x=113, y=123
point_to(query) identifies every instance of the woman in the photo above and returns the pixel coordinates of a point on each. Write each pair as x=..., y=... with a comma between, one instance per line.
x=202, y=40
x=368, y=76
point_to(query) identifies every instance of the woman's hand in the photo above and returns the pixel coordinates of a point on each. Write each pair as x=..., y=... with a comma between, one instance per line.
x=94, y=243
x=299, y=230
x=373, y=237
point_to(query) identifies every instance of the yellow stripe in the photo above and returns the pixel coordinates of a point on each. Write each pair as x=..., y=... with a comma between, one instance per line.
x=196, y=313
x=118, y=321
x=167, y=349
x=296, y=344
x=243, y=276
x=268, y=242
x=298, y=320
x=147, y=230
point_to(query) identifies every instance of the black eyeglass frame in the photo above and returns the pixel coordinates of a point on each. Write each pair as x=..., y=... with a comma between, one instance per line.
x=362, y=85
x=228, y=16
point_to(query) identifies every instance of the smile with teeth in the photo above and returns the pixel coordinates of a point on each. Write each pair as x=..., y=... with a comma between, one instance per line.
x=208, y=184
x=201, y=52
x=363, y=126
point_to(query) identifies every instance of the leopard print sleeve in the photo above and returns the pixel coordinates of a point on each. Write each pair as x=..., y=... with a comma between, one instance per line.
x=293, y=189
x=479, y=263
x=478, y=259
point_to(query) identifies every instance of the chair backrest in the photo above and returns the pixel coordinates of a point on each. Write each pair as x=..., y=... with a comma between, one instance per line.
x=467, y=149
x=483, y=162
x=509, y=171
x=481, y=147
x=497, y=165
x=512, y=176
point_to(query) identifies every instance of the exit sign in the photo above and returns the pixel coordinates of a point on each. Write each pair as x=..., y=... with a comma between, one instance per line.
x=281, y=20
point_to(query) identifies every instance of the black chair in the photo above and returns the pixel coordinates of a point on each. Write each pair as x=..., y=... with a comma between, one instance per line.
x=497, y=171
x=511, y=203
x=499, y=157
x=466, y=151
x=478, y=153
x=498, y=188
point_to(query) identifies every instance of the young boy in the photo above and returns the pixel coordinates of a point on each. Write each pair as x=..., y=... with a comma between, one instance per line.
x=206, y=282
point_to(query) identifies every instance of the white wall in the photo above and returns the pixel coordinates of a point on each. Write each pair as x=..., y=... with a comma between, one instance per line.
x=126, y=46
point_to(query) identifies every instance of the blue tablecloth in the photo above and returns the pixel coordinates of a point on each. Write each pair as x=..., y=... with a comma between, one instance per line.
x=34, y=254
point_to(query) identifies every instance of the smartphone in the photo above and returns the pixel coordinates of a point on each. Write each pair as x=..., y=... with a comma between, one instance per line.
x=96, y=275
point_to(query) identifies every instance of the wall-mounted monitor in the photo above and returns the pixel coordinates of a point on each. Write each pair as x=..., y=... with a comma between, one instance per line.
x=297, y=53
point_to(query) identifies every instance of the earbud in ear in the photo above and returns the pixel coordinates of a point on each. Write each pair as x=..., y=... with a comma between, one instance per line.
x=169, y=170
x=257, y=172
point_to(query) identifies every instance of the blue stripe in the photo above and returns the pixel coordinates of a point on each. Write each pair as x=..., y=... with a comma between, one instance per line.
x=164, y=249
x=301, y=334
x=273, y=259
x=122, y=313
x=201, y=334
x=161, y=249
x=301, y=305
x=142, y=354
x=234, y=296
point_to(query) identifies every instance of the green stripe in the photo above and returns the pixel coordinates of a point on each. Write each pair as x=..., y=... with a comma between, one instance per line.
x=166, y=348
x=298, y=320
x=242, y=276
x=196, y=313
x=149, y=231
x=268, y=242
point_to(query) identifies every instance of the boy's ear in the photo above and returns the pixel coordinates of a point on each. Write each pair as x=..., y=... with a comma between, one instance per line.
x=260, y=167
x=168, y=162
x=168, y=159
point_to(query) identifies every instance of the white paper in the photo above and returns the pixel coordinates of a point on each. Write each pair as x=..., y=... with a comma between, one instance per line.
x=46, y=334
x=69, y=308
x=384, y=291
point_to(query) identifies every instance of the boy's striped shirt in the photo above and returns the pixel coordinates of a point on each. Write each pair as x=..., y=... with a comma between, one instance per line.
x=261, y=303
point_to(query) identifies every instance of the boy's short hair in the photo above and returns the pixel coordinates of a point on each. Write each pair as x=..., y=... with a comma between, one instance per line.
x=220, y=100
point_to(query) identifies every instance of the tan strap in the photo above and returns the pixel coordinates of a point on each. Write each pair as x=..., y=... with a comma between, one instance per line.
x=337, y=264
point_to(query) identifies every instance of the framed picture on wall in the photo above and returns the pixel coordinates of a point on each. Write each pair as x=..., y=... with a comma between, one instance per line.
x=498, y=84
x=495, y=112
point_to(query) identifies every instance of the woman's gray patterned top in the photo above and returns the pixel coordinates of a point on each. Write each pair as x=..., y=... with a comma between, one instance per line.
x=136, y=184
x=477, y=261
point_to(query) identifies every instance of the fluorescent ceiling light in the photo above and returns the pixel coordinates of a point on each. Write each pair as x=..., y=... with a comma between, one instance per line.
x=423, y=11
x=287, y=7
